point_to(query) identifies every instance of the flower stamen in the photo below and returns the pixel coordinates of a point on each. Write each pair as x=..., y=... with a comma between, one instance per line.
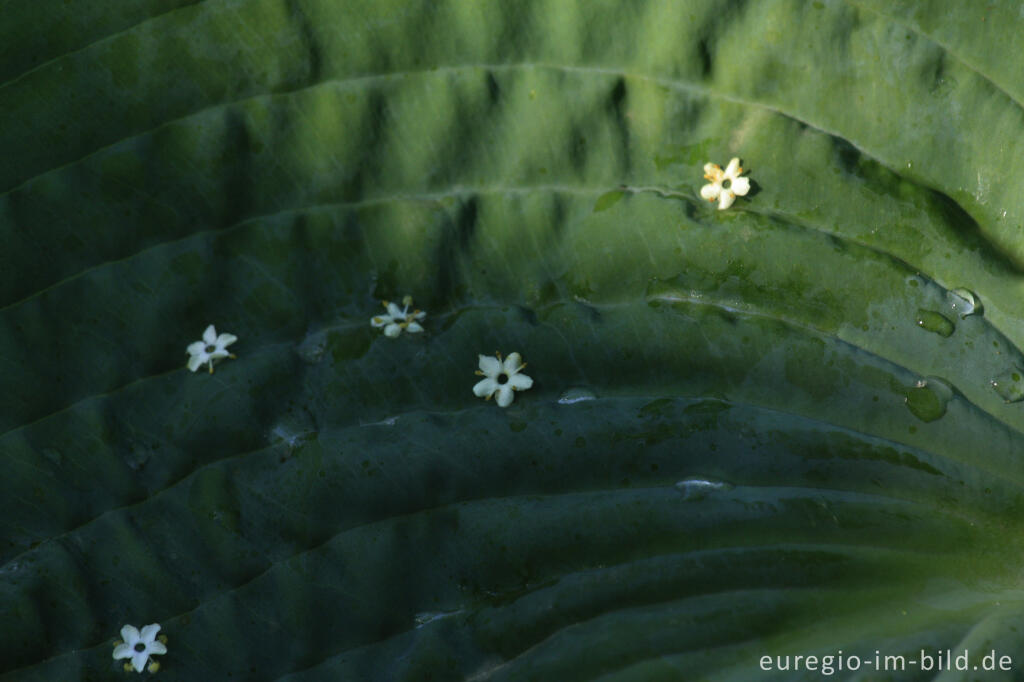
x=724, y=186
x=211, y=349
x=502, y=378
x=399, y=319
x=140, y=647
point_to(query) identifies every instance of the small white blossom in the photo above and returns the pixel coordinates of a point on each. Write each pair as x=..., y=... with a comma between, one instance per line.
x=501, y=377
x=398, y=319
x=211, y=348
x=725, y=185
x=140, y=646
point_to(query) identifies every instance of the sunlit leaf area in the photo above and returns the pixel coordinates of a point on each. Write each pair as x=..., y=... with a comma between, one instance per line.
x=543, y=341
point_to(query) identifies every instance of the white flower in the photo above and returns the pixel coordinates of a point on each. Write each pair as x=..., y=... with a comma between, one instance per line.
x=725, y=185
x=211, y=348
x=140, y=646
x=398, y=319
x=502, y=378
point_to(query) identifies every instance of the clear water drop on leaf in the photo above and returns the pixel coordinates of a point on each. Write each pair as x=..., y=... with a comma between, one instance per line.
x=607, y=200
x=390, y=421
x=311, y=350
x=54, y=456
x=934, y=322
x=426, y=617
x=699, y=488
x=1010, y=385
x=964, y=302
x=292, y=434
x=576, y=395
x=928, y=398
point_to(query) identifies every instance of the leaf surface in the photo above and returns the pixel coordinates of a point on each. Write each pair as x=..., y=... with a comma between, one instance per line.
x=744, y=437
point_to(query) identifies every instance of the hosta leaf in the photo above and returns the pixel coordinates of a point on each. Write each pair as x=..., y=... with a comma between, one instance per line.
x=793, y=427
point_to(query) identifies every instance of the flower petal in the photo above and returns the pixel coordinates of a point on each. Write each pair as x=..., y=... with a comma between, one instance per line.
x=195, y=348
x=130, y=635
x=733, y=169
x=381, y=320
x=712, y=172
x=740, y=186
x=392, y=330
x=711, y=192
x=485, y=387
x=149, y=632
x=520, y=382
x=219, y=354
x=157, y=648
x=139, y=660
x=414, y=327
x=490, y=366
x=210, y=335
x=196, y=361
x=725, y=201
x=418, y=315
x=225, y=340
x=505, y=396
x=513, y=363
x=122, y=650
x=395, y=311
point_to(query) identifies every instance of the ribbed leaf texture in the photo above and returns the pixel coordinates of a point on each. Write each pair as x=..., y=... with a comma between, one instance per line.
x=767, y=430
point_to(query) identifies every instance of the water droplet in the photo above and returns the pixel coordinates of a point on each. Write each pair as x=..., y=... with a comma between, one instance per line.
x=964, y=302
x=312, y=348
x=425, y=617
x=928, y=398
x=54, y=456
x=289, y=436
x=934, y=322
x=576, y=395
x=390, y=421
x=607, y=200
x=699, y=488
x=137, y=458
x=1009, y=385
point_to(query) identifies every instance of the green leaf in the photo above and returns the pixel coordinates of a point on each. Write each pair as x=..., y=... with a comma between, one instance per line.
x=793, y=427
x=607, y=200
